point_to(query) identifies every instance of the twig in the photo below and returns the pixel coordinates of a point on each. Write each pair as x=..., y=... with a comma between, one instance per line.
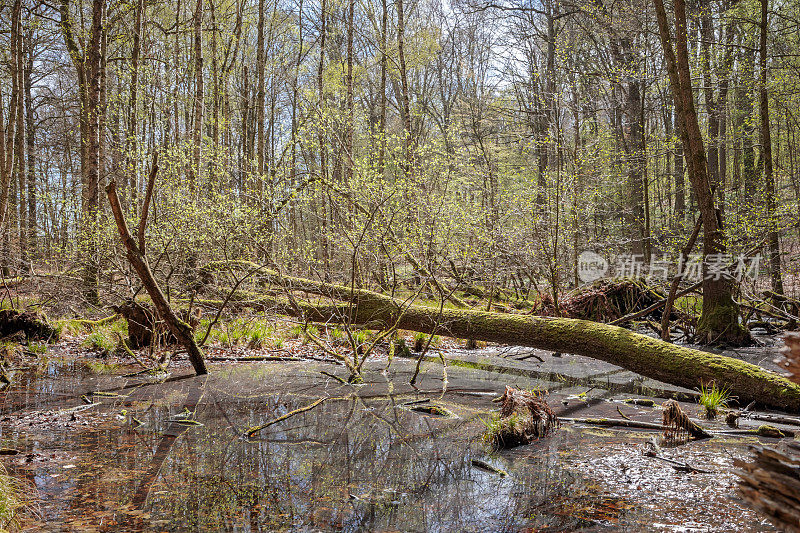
x=614, y=422
x=334, y=376
x=680, y=466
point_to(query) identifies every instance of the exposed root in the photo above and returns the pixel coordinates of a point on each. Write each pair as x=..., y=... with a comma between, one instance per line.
x=33, y=326
x=677, y=425
x=524, y=417
x=606, y=300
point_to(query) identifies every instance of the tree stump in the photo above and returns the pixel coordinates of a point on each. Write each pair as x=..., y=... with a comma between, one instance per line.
x=142, y=323
x=145, y=327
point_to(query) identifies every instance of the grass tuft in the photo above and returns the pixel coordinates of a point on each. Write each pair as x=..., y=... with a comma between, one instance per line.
x=714, y=399
x=16, y=498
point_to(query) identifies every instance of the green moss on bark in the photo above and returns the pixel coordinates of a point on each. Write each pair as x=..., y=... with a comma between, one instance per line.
x=719, y=325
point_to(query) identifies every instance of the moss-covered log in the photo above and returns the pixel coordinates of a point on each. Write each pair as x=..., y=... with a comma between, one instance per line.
x=641, y=354
x=644, y=355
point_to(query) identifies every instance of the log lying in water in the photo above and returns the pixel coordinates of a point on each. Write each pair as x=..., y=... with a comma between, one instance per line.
x=644, y=355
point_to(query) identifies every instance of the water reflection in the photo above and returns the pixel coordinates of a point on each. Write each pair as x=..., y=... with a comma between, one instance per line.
x=175, y=457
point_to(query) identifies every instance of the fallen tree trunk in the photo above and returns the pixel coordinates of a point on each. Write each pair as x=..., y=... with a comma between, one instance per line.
x=644, y=355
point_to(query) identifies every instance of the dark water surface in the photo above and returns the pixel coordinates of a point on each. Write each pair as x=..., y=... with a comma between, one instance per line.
x=174, y=456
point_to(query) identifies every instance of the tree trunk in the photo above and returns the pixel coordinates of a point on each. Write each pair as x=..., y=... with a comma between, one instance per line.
x=17, y=72
x=384, y=60
x=405, y=106
x=30, y=131
x=745, y=121
x=132, y=141
x=260, y=99
x=680, y=187
x=5, y=182
x=773, y=245
x=719, y=322
x=350, y=155
x=199, y=98
x=182, y=331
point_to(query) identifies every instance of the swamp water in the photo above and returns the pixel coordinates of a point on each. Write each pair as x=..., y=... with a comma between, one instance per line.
x=174, y=455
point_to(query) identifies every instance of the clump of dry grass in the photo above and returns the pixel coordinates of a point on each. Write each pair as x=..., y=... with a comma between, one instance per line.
x=16, y=499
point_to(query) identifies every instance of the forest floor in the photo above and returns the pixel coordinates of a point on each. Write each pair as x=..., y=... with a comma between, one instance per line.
x=107, y=447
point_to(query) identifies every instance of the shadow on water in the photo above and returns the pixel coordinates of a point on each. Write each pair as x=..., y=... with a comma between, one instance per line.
x=175, y=456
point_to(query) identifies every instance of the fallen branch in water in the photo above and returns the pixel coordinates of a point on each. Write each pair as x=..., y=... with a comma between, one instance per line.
x=634, y=424
x=680, y=466
x=614, y=422
x=253, y=430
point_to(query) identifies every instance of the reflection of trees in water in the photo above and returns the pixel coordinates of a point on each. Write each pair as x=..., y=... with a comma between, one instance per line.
x=352, y=464
x=356, y=464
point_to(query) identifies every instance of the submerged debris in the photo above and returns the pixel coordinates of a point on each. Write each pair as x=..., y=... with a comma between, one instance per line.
x=432, y=409
x=646, y=402
x=524, y=417
x=483, y=465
